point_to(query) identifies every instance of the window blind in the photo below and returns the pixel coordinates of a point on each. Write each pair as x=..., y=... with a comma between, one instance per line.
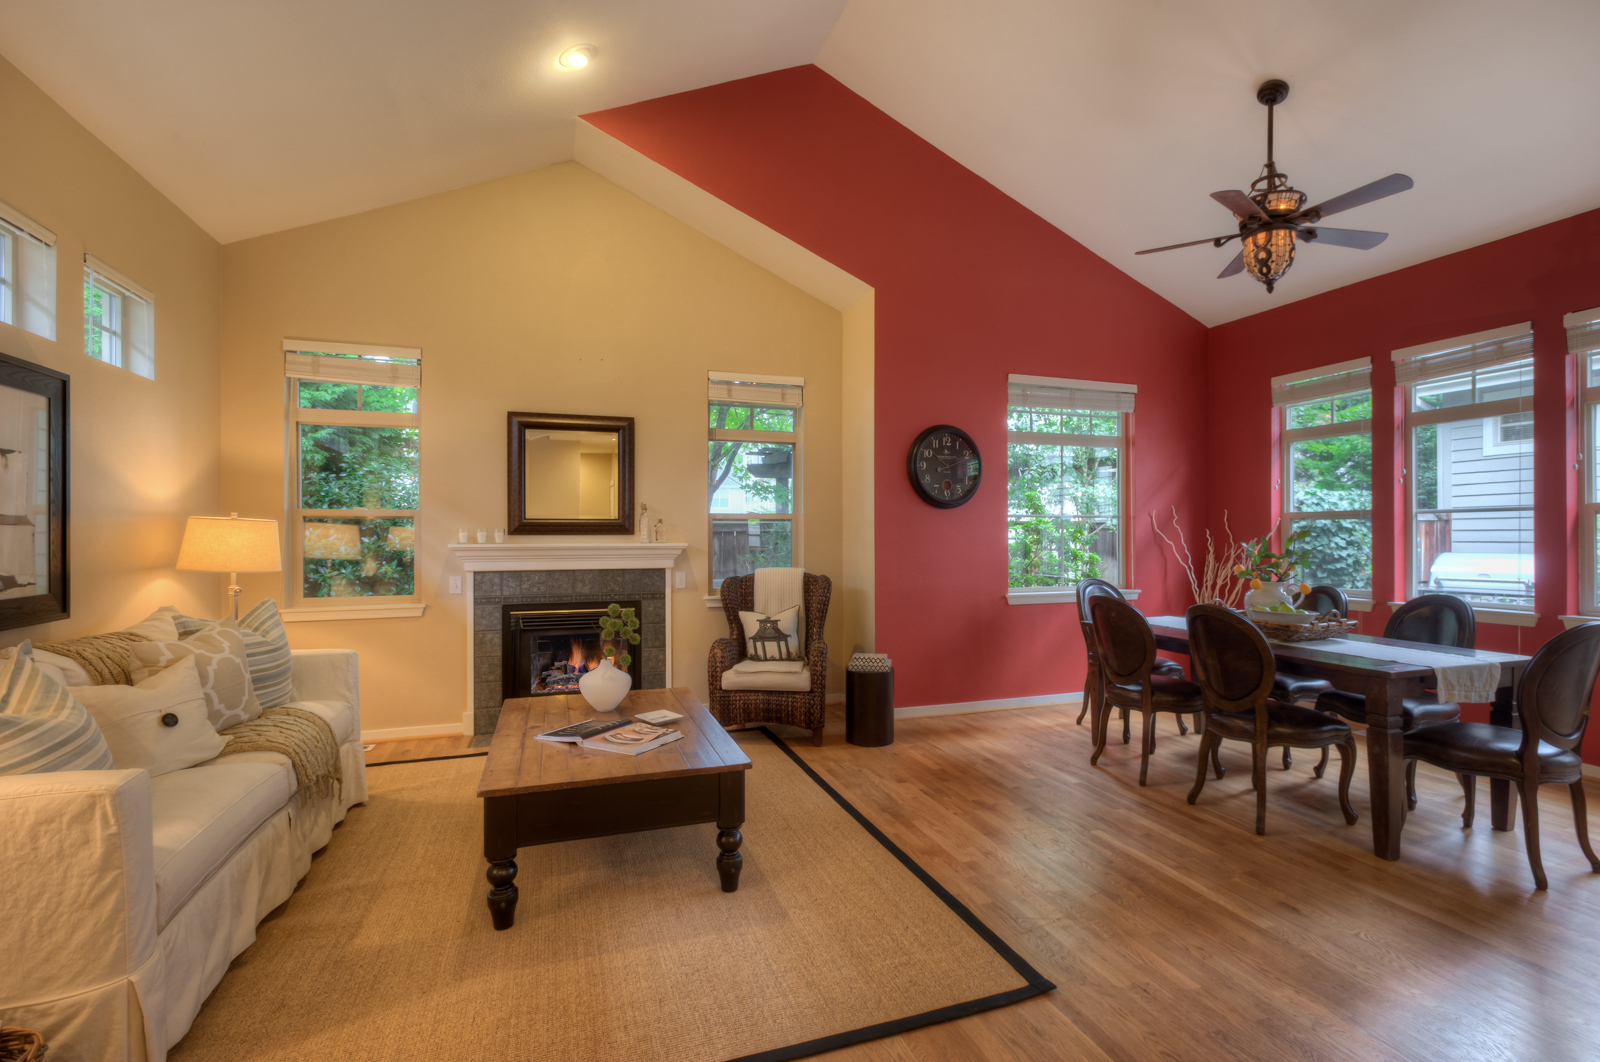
x=1342, y=379
x=1448, y=357
x=1583, y=331
x=34, y=284
x=358, y=363
x=1070, y=394
x=746, y=389
x=26, y=224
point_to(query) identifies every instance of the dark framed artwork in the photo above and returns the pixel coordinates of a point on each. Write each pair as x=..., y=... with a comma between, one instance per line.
x=569, y=475
x=33, y=494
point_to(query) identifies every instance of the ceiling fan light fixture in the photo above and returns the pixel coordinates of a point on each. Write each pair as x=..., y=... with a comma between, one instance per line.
x=577, y=57
x=1283, y=201
x=1268, y=253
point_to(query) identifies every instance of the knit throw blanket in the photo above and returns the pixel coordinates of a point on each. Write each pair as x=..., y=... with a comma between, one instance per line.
x=103, y=656
x=305, y=737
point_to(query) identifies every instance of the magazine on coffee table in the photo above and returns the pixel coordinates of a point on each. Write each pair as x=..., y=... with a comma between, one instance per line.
x=632, y=739
x=577, y=733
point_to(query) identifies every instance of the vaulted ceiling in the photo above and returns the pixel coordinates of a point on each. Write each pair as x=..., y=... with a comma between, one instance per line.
x=1114, y=121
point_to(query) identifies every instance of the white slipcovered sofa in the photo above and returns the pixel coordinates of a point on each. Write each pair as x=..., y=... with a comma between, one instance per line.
x=125, y=897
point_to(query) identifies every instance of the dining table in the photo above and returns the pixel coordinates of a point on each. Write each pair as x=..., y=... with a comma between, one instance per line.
x=1384, y=671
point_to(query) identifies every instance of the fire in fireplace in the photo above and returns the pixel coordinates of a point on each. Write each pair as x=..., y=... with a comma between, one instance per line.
x=547, y=648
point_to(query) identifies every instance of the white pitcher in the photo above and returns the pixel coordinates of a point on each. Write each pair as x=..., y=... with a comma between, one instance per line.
x=605, y=686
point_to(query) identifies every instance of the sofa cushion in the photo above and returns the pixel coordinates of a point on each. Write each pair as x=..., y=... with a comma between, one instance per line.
x=159, y=725
x=266, y=646
x=200, y=816
x=774, y=681
x=42, y=726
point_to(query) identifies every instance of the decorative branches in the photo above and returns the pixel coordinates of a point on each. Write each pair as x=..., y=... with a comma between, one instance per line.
x=619, y=628
x=1215, y=582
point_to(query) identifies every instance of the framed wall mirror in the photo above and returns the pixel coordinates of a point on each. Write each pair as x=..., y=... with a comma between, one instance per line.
x=33, y=494
x=569, y=475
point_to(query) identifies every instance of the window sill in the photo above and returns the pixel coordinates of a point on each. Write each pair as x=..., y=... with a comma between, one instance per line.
x=714, y=601
x=1504, y=616
x=1051, y=595
x=1360, y=604
x=1570, y=622
x=410, y=610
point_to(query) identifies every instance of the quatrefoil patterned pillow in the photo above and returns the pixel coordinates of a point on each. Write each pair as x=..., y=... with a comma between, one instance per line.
x=219, y=657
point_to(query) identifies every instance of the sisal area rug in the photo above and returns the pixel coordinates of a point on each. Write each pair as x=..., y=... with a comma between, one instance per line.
x=624, y=947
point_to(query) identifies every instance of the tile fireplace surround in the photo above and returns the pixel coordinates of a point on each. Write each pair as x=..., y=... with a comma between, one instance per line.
x=540, y=573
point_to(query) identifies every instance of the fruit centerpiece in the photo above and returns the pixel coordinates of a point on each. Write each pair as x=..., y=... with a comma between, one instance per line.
x=1269, y=573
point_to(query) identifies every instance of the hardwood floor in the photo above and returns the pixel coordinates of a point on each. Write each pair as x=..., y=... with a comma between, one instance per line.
x=1175, y=933
x=396, y=749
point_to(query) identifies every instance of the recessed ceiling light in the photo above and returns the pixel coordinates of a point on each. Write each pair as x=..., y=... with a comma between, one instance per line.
x=577, y=57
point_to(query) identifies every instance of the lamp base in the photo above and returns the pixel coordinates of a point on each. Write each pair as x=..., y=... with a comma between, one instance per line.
x=234, y=590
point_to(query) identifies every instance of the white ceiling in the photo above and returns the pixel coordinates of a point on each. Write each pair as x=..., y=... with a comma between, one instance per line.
x=1114, y=121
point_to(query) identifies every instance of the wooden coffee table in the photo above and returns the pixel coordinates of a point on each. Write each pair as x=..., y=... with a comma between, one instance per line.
x=536, y=792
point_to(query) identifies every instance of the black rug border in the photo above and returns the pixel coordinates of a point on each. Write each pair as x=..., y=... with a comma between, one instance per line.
x=1037, y=984
x=432, y=759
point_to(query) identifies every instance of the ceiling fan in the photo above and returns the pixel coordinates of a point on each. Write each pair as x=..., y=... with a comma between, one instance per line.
x=1273, y=216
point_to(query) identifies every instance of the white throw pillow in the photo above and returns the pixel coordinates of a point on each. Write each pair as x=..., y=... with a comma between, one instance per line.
x=219, y=657
x=42, y=727
x=160, y=725
x=759, y=631
x=159, y=626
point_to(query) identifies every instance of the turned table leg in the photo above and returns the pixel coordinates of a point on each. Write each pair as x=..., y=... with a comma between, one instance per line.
x=730, y=816
x=500, y=849
x=730, y=862
x=502, y=874
x=1502, y=797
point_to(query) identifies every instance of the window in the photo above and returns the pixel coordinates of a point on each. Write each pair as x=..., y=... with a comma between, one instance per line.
x=27, y=273
x=1326, y=434
x=1469, y=418
x=1066, y=451
x=1583, y=340
x=353, y=434
x=118, y=319
x=753, y=467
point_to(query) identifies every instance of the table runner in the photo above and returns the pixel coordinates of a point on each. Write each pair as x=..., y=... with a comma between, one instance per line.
x=1473, y=681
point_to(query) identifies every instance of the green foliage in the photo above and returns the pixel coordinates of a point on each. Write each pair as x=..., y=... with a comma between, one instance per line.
x=343, y=467
x=619, y=627
x=1258, y=561
x=383, y=570
x=1333, y=474
x=1060, y=500
x=725, y=460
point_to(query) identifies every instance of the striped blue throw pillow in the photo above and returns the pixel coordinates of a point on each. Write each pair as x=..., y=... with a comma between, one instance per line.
x=42, y=726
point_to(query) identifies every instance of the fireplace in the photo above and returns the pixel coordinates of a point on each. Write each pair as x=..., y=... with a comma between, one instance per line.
x=548, y=647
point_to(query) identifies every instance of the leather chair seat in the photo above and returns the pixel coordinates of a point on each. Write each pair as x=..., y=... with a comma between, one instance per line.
x=1168, y=667
x=1483, y=748
x=1167, y=694
x=1421, y=711
x=1292, y=688
x=1287, y=724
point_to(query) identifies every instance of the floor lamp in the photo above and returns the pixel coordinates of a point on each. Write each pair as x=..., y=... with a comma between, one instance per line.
x=229, y=544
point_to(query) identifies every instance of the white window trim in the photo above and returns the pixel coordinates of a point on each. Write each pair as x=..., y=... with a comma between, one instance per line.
x=1415, y=418
x=1039, y=595
x=1582, y=342
x=135, y=332
x=32, y=273
x=728, y=387
x=302, y=609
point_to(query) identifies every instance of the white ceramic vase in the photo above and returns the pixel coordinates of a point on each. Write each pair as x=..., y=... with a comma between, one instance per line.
x=1270, y=594
x=605, y=686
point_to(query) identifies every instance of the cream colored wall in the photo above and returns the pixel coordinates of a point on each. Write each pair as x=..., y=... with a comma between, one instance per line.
x=552, y=273
x=143, y=453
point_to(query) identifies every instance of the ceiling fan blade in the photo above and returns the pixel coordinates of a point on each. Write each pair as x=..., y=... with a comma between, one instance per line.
x=1241, y=204
x=1191, y=243
x=1234, y=267
x=1360, y=239
x=1367, y=193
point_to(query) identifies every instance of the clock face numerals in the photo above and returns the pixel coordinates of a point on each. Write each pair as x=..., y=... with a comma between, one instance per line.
x=944, y=466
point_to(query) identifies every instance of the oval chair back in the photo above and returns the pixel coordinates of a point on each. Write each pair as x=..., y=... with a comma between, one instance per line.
x=1438, y=619
x=1127, y=644
x=1325, y=599
x=1230, y=658
x=1553, y=696
x=1087, y=590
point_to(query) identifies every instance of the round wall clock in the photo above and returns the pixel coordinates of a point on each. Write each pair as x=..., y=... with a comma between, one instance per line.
x=944, y=466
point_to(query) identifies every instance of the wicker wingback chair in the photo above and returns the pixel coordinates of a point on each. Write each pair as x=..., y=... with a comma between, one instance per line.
x=733, y=708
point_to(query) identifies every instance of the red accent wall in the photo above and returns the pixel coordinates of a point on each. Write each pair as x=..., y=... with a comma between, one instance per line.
x=970, y=286
x=1538, y=275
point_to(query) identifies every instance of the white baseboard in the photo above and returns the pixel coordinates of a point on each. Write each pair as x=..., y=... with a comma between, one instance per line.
x=1591, y=770
x=963, y=707
x=411, y=732
x=469, y=724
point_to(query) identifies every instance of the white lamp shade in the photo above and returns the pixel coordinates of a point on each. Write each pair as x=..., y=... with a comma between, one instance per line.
x=229, y=544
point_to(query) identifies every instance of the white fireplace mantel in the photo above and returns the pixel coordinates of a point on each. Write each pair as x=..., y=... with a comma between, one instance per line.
x=559, y=556
x=564, y=556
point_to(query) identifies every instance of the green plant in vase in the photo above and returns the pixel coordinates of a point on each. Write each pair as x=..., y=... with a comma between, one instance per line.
x=619, y=627
x=1267, y=570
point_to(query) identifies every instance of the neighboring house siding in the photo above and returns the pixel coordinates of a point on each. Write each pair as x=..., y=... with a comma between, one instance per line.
x=1475, y=478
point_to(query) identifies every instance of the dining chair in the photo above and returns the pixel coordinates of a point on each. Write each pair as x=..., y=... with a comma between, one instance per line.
x=1435, y=619
x=1232, y=663
x=1131, y=682
x=1092, y=681
x=1293, y=688
x=1552, y=712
